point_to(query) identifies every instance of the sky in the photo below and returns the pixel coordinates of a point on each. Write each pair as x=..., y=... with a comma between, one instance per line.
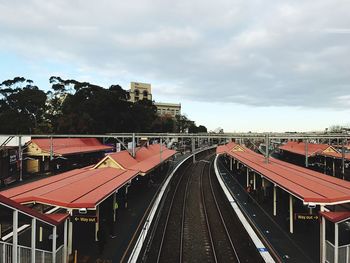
x=243, y=65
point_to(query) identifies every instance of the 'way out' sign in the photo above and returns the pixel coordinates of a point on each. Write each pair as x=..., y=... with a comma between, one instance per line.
x=84, y=219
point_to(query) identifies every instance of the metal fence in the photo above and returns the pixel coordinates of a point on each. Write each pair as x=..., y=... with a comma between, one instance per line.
x=24, y=254
x=343, y=253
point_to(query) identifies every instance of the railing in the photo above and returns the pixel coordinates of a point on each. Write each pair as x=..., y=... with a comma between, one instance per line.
x=343, y=253
x=24, y=254
x=5, y=252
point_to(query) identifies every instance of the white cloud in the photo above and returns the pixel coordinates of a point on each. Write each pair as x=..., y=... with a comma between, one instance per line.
x=259, y=52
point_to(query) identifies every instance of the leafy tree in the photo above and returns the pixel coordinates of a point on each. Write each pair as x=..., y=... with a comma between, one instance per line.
x=22, y=106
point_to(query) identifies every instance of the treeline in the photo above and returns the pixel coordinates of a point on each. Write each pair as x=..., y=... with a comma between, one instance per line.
x=75, y=107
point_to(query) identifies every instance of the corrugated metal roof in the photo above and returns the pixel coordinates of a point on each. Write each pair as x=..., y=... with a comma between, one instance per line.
x=67, y=146
x=80, y=188
x=308, y=185
x=53, y=219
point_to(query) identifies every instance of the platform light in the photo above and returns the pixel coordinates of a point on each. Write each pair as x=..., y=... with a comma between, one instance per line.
x=83, y=211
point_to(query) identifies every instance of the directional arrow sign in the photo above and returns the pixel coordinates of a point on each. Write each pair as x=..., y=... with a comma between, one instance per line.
x=84, y=219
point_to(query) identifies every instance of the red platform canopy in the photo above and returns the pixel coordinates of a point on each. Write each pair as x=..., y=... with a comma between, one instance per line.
x=305, y=184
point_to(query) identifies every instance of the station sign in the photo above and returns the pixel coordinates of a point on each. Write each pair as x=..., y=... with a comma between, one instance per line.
x=83, y=219
x=306, y=217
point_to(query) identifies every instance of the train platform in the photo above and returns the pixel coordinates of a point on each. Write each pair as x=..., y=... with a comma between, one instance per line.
x=128, y=221
x=289, y=247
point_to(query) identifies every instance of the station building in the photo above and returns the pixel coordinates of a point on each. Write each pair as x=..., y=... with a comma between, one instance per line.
x=301, y=194
x=88, y=196
x=61, y=154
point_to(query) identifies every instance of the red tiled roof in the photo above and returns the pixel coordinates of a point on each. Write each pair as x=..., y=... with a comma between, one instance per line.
x=67, y=146
x=336, y=217
x=80, y=188
x=308, y=185
x=146, y=159
x=48, y=218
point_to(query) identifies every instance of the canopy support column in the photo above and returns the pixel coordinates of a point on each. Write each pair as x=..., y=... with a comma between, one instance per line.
x=247, y=176
x=65, y=255
x=54, y=240
x=274, y=200
x=291, y=225
x=263, y=185
x=70, y=237
x=254, y=181
x=33, y=239
x=323, y=237
x=113, y=207
x=230, y=163
x=97, y=226
x=336, y=242
x=15, y=236
x=333, y=167
x=237, y=164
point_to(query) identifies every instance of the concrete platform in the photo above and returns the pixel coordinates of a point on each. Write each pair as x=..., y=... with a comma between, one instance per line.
x=303, y=246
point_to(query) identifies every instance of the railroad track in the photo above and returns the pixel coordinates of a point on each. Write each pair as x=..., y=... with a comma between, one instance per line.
x=194, y=227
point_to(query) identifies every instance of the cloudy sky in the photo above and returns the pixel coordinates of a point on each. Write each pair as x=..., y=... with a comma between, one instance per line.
x=243, y=65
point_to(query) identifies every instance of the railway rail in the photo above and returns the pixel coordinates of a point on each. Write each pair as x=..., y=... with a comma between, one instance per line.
x=195, y=222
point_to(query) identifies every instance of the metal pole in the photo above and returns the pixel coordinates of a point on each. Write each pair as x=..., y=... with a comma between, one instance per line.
x=15, y=236
x=33, y=237
x=193, y=149
x=343, y=159
x=20, y=155
x=323, y=236
x=160, y=154
x=267, y=144
x=133, y=145
x=306, y=153
x=274, y=201
x=291, y=229
x=65, y=255
x=336, y=242
x=54, y=234
x=247, y=177
x=51, y=149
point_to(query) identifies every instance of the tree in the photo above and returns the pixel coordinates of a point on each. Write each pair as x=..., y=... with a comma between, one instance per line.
x=22, y=106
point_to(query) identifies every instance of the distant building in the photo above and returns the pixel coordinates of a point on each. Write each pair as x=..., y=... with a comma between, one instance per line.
x=139, y=91
x=171, y=109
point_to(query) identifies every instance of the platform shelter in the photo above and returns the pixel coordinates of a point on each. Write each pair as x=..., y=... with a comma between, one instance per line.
x=27, y=235
x=322, y=157
x=90, y=194
x=315, y=190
